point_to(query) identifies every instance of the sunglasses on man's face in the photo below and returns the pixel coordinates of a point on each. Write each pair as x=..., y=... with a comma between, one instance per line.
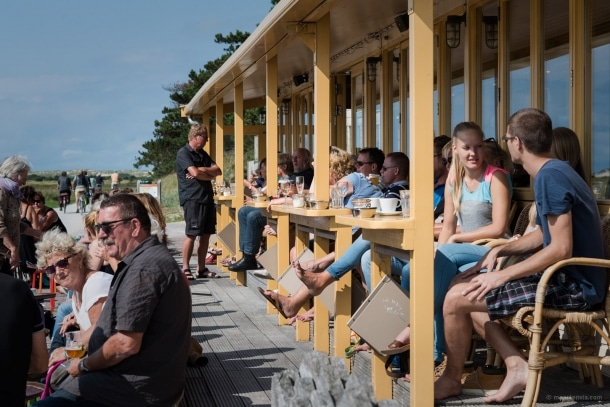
x=447, y=160
x=108, y=227
x=63, y=263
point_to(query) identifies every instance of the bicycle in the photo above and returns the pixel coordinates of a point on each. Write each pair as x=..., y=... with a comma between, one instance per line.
x=82, y=204
x=63, y=201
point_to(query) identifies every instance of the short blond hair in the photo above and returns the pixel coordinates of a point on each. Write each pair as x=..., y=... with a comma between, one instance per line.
x=57, y=241
x=197, y=129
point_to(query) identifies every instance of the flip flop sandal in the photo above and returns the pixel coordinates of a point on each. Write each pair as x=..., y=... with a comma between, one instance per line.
x=350, y=351
x=205, y=273
x=188, y=274
x=395, y=347
x=274, y=301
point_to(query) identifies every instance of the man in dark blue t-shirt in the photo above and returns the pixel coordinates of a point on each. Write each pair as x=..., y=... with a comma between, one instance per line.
x=569, y=227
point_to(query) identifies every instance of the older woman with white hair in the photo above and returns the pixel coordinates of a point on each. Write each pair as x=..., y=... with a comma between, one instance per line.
x=13, y=174
x=59, y=255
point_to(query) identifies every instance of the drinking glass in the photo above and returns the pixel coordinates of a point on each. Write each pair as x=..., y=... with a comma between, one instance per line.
x=342, y=190
x=285, y=190
x=300, y=183
x=74, y=345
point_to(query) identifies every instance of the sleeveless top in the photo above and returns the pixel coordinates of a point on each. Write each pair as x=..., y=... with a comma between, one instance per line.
x=476, y=206
x=57, y=224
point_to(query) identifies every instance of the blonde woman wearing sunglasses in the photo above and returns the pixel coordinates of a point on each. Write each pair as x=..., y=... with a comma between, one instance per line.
x=68, y=262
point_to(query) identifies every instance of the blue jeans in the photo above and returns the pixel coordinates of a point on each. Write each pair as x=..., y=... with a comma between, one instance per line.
x=251, y=226
x=396, y=270
x=450, y=260
x=349, y=259
x=62, y=398
x=57, y=340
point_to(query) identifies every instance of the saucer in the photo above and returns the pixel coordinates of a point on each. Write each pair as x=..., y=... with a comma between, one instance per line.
x=391, y=213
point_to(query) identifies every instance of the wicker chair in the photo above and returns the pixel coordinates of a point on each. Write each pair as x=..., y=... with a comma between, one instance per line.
x=540, y=325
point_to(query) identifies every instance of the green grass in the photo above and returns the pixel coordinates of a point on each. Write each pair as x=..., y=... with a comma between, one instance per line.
x=169, y=195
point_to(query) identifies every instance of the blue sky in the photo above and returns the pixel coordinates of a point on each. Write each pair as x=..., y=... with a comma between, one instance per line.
x=82, y=82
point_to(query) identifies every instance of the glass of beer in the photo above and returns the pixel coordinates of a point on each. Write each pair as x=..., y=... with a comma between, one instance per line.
x=74, y=345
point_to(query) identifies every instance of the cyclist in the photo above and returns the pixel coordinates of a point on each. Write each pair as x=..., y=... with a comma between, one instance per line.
x=63, y=185
x=81, y=187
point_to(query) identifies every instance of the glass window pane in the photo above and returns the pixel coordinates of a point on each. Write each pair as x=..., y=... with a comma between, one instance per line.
x=556, y=62
x=358, y=111
x=600, y=106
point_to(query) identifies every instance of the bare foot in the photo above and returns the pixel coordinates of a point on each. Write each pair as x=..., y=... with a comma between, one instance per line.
x=314, y=281
x=446, y=387
x=311, y=266
x=515, y=381
x=307, y=316
x=364, y=347
x=285, y=304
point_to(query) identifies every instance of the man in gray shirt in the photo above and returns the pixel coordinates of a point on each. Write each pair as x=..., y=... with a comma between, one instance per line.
x=138, y=350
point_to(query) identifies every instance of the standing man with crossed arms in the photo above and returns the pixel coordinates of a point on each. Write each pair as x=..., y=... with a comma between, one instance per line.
x=195, y=170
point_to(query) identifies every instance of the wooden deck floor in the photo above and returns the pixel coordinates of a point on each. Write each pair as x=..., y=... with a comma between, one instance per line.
x=245, y=347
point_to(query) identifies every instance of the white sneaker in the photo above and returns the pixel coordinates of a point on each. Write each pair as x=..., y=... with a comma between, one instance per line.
x=262, y=273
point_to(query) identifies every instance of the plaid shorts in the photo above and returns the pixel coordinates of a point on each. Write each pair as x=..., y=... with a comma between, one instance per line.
x=562, y=293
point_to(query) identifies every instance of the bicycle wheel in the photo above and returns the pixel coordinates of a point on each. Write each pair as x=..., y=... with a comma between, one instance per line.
x=81, y=205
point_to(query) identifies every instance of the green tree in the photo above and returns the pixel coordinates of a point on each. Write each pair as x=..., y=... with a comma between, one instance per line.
x=171, y=132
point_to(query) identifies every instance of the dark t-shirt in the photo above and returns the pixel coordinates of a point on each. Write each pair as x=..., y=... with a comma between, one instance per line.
x=20, y=318
x=64, y=183
x=306, y=174
x=150, y=295
x=193, y=189
x=558, y=189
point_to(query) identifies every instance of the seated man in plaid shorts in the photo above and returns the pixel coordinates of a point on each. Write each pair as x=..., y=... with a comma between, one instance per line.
x=569, y=227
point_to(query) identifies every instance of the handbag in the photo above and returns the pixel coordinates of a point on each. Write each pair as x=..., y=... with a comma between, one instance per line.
x=56, y=374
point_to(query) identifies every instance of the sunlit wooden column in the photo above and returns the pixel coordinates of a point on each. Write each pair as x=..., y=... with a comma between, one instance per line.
x=240, y=276
x=283, y=250
x=580, y=74
x=223, y=217
x=421, y=85
x=302, y=241
x=537, y=53
x=321, y=157
x=343, y=296
x=472, y=65
x=272, y=145
x=503, y=68
x=382, y=383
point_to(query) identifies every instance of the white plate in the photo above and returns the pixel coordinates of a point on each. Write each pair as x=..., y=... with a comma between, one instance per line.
x=389, y=213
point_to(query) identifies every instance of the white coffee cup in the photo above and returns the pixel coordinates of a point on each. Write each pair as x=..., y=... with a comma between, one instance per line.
x=388, y=205
x=374, y=202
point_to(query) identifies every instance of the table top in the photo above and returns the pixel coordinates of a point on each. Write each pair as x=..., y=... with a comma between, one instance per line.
x=43, y=296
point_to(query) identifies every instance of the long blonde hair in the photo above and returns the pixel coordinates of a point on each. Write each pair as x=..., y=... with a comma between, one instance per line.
x=456, y=165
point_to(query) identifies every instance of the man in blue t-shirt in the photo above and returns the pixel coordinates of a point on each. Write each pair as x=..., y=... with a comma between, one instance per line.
x=569, y=227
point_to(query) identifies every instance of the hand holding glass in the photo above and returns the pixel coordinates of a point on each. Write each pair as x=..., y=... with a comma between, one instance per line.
x=74, y=345
x=300, y=183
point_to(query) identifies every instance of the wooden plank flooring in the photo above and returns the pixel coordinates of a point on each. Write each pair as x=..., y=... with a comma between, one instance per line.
x=245, y=347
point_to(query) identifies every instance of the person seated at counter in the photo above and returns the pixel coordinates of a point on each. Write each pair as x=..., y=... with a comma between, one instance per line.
x=479, y=196
x=358, y=187
x=302, y=163
x=252, y=222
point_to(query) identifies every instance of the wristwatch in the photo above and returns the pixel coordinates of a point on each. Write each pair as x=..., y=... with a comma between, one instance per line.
x=81, y=366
